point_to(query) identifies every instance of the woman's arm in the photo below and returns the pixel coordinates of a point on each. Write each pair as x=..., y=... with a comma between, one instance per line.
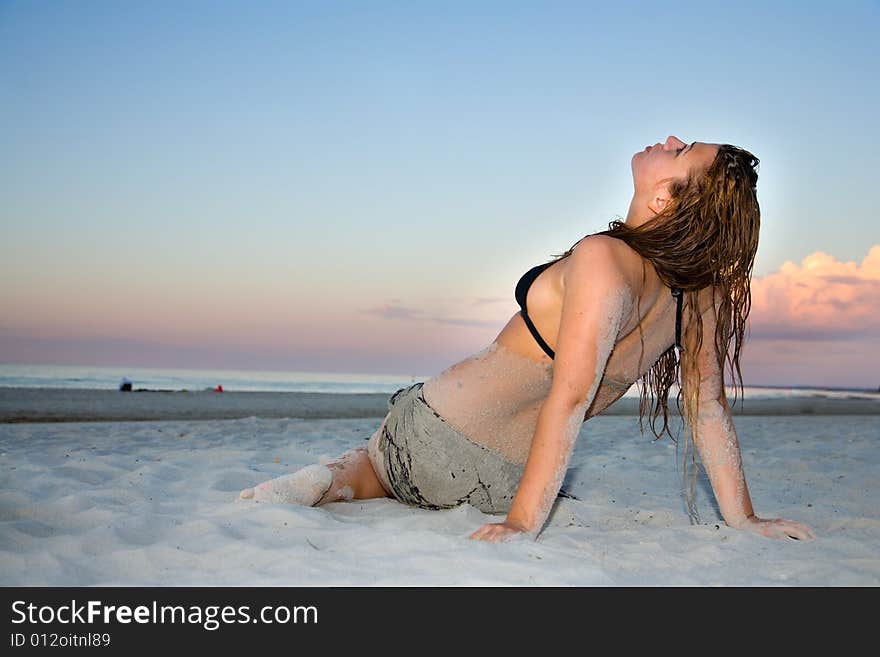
x=720, y=454
x=596, y=300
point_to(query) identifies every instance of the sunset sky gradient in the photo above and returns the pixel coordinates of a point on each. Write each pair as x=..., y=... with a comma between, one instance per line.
x=357, y=186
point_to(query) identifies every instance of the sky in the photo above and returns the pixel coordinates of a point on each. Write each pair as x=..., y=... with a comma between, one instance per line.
x=357, y=186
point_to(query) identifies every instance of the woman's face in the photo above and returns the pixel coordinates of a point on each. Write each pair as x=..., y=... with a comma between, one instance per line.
x=657, y=165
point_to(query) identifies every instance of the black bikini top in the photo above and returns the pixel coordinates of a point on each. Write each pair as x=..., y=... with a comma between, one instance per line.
x=522, y=290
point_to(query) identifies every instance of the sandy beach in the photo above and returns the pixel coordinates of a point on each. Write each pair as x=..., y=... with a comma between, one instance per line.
x=155, y=502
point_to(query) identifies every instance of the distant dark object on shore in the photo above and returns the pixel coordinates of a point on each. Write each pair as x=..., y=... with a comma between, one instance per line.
x=125, y=386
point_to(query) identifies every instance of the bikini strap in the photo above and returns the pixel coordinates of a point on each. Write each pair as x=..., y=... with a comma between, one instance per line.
x=679, y=298
x=534, y=331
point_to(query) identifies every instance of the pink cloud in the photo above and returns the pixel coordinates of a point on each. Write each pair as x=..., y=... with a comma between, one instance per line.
x=394, y=311
x=445, y=313
x=820, y=299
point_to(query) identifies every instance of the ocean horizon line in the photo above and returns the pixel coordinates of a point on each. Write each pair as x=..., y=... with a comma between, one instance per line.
x=42, y=375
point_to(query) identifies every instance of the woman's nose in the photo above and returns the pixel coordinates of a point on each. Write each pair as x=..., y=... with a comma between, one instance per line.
x=673, y=142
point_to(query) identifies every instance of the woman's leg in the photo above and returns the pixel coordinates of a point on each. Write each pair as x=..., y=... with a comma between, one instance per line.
x=353, y=479
x=349, y=477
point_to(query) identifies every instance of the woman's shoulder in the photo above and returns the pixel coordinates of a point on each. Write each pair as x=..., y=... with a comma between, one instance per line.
x=610, y=257
x=602, y=246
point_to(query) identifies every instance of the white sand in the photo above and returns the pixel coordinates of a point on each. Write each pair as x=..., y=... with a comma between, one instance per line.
x=155, y=503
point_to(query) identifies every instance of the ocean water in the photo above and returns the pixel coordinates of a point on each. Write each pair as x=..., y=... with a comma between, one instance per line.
x=104, y=378
x=109, y=378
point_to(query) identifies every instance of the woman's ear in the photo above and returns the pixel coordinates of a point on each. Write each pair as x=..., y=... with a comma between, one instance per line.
x=658, y=203
x=660, y=197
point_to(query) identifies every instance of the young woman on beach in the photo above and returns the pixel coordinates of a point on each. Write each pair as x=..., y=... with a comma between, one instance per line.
x=654, y=299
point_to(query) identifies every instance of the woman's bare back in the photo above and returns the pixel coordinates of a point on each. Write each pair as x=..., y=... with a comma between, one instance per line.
x=494, y=396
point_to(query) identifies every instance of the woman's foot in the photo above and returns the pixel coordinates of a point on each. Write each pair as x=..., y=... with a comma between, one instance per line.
x=304, y=487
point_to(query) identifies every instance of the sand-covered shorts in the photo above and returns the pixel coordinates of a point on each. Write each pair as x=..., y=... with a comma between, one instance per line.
x=425, y=462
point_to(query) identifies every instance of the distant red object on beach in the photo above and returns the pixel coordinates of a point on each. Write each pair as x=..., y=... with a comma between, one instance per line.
x=218, y=389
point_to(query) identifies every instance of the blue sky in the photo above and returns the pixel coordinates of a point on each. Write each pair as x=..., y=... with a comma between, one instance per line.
x=244, y=184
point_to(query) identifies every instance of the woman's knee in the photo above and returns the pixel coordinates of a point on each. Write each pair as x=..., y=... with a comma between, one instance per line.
x=354, y=477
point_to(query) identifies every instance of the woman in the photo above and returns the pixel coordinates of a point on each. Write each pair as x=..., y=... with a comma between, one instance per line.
x=658, y=295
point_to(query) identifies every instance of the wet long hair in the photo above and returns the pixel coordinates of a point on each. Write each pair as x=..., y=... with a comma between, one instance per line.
x=706, y=236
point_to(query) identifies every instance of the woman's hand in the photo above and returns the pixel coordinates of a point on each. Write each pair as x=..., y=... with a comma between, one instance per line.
x=499, y=532
x=776, y=528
